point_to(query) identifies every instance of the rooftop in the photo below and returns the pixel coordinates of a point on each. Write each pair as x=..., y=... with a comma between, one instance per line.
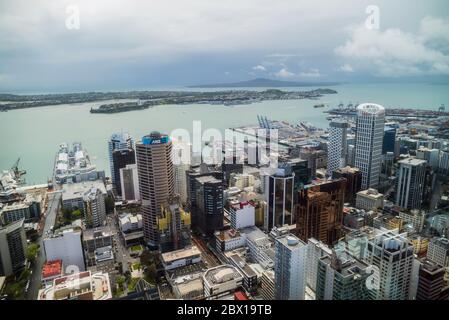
x=180, y=254
x=51, y=269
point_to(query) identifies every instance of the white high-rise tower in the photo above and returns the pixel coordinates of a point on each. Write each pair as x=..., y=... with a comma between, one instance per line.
x=368, y=143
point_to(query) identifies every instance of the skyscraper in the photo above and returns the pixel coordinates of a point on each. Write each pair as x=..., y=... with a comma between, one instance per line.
x=389, y=140
x=279, y=197
x=290, y=268
x=12, y=248
x=353, y=178
x=392, y=254
x=410, y=183
x=129, y=182
x=156, y=181
x=337, y=146
x=174, y=226
x=320, y=211
x=94, y=208
x=118, y=141
x=209, y=204
x=368, y=144
x=342, y=277
x=120, y=159
x=431, y=281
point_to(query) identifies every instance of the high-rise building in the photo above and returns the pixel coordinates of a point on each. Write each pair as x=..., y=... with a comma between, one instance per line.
x=342, y=277
x=242, y=215
x=209, y=204
x=353, y=178
x=438, y=251
x=311, y=155
x=118, y=141
x=192, y=190
x=337, y=145
x=94, y=208
x=315, y=251
x=13, y=246
x=410, y=183
x=174, y=226
x=290, y=268
x=156, y=181
x=129, y=180
x=120, y=159
x=430, y=281
x=389, y=140
x=392, y=254
x=279, y=192
x=320, y=211
x=368, y=145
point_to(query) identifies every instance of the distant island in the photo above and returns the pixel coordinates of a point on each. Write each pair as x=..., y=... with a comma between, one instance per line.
x=265, y=83
x=147, y=99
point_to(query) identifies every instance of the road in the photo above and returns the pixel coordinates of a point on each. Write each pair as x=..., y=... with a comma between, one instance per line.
x=209, y=258
x=50, y=219
x=120, y=251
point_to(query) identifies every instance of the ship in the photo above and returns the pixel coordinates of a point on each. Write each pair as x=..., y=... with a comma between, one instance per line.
x=319, y=105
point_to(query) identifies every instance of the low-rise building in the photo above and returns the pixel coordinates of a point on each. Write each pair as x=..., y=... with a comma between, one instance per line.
x=79, y=286
x=52, y=270
x=221, y=281
x=179, y=258
x=369, y=199
x=66, y=245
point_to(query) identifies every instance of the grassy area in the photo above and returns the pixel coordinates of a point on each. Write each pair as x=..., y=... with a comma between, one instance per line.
x=132, y=284
x=136, y=248
x=136, y=266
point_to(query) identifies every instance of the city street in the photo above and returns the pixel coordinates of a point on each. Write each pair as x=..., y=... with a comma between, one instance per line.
x=50, y=218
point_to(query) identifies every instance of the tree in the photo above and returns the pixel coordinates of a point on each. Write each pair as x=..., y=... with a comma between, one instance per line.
x=76, y=214
x=32, y=251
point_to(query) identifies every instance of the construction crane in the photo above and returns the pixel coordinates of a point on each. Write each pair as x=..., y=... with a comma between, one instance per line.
x=17, y=173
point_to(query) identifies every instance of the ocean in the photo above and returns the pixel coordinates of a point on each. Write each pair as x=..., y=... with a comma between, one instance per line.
x=34, y=134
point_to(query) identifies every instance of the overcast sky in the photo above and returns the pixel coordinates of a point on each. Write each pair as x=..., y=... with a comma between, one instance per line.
x=123, y=44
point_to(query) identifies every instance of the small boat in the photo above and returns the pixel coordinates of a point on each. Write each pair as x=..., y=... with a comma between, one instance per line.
x=319, y=106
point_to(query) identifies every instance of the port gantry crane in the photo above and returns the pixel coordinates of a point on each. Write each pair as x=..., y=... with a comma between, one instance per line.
x=17, y=173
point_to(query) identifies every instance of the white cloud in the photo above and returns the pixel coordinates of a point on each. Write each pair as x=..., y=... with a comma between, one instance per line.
x=346, y=68
x=284, y=73
x=259, y=68
x=311, y=73
x=395, y=53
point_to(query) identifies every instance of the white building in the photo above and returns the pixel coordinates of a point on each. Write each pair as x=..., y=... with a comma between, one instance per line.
x=410, y=183
x=118, y=141
x=78, y=286
x=242, y=215
x=438, y=251
x=392, y=254
x=66, y=245
x=220, y=281
x=231, y=239
x=315, y=250
x=368, y=145
x=129, y=183
x=94, y=208
x=337, y=146
x=179, y=258
x=290, y=268
x=73, y=193
x=369, y=199
x=432, y=156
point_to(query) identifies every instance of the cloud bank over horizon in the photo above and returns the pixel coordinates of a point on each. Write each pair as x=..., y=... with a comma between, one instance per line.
x=135, y=44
